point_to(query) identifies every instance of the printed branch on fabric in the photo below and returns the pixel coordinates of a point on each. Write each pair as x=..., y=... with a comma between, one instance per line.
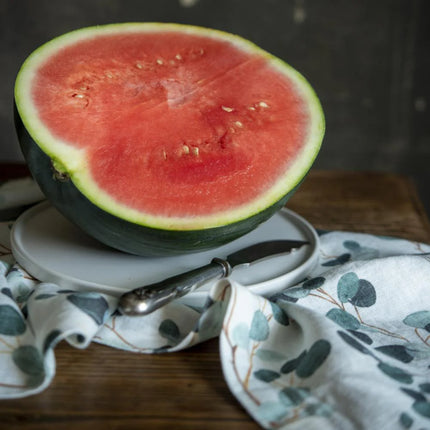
x=121, y=337
x=257, y=366
x=359, y=293
x=234, y=348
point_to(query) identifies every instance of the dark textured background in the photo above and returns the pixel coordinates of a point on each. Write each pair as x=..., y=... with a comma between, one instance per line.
x=369, y=62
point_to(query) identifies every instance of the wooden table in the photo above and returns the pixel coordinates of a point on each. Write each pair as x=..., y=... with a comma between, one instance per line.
x=101, y=387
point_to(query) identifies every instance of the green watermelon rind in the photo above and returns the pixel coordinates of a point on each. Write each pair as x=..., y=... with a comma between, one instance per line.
x=82, y=201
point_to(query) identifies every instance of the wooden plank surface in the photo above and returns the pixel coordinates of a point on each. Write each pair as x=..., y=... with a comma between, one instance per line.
x=376, y=203
x=101, y=387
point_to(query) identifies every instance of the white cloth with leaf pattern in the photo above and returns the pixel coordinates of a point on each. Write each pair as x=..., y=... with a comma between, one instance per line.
x=348, y=348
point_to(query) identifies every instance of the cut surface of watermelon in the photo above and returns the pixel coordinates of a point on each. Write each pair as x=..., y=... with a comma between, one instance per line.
x=169, y=126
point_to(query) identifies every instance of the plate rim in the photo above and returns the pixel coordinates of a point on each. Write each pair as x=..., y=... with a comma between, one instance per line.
x=266, y=287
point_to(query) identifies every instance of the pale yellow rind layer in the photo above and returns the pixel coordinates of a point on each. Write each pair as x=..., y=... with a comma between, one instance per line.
x=73, y=161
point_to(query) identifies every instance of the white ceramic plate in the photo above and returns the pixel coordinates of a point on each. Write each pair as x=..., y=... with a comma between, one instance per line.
x=52, y=249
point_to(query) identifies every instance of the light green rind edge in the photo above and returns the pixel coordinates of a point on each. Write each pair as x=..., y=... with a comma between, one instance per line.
x=75, y=164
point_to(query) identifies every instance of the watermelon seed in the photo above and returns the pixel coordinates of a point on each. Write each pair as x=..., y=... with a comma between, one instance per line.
x=239, y=124
x=178, y=56
x=227, y=109
x=139, y=66
x=186, y=149
x=251, y=108
x=81, y=96
x=160, y=62
x=164, y=154
x=109, y=75
x=196, y=151
x=263, y=105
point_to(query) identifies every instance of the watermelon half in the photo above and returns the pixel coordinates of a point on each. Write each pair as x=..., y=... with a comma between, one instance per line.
x=162, y=139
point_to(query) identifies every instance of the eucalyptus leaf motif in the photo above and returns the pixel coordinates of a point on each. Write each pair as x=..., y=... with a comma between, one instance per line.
x=271, y=412
x=283, y=297
x=425, y=387
x=361, y=336
x=7, y=292
x=360, y=252
x=259, y=330
x=366, y=253
x=291, y=365
x=343, y=318
x=11, y=321
x=422, y=408
x=170, y=331
x=269, y=354
x=279, y=314
x=420, y=319
x=44, y=296
x=365, y=296
x=313, y=283
x=354, y=343
x=295, y=293
x=342, y=259
x=347, y=286
x=240, y=335
x=313, y=359
x=210, y=322
x=406, y=420
x=93, y=304
x=399, y=352
x=266, y=375
x=293, y=396
x=416, y=395
x=18, y=285
x=396, y=373
x=80, y=338
x=51, y=339
x=28, y=359
x=352, y=245
x=319, y=409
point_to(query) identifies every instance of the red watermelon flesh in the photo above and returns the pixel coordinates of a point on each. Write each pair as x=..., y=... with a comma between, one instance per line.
x=173, y=124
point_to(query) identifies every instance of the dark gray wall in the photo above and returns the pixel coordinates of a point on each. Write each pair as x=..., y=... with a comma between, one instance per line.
x=368, y=61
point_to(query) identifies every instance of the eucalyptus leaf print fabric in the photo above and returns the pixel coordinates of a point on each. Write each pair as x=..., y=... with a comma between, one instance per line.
x=347, y=348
